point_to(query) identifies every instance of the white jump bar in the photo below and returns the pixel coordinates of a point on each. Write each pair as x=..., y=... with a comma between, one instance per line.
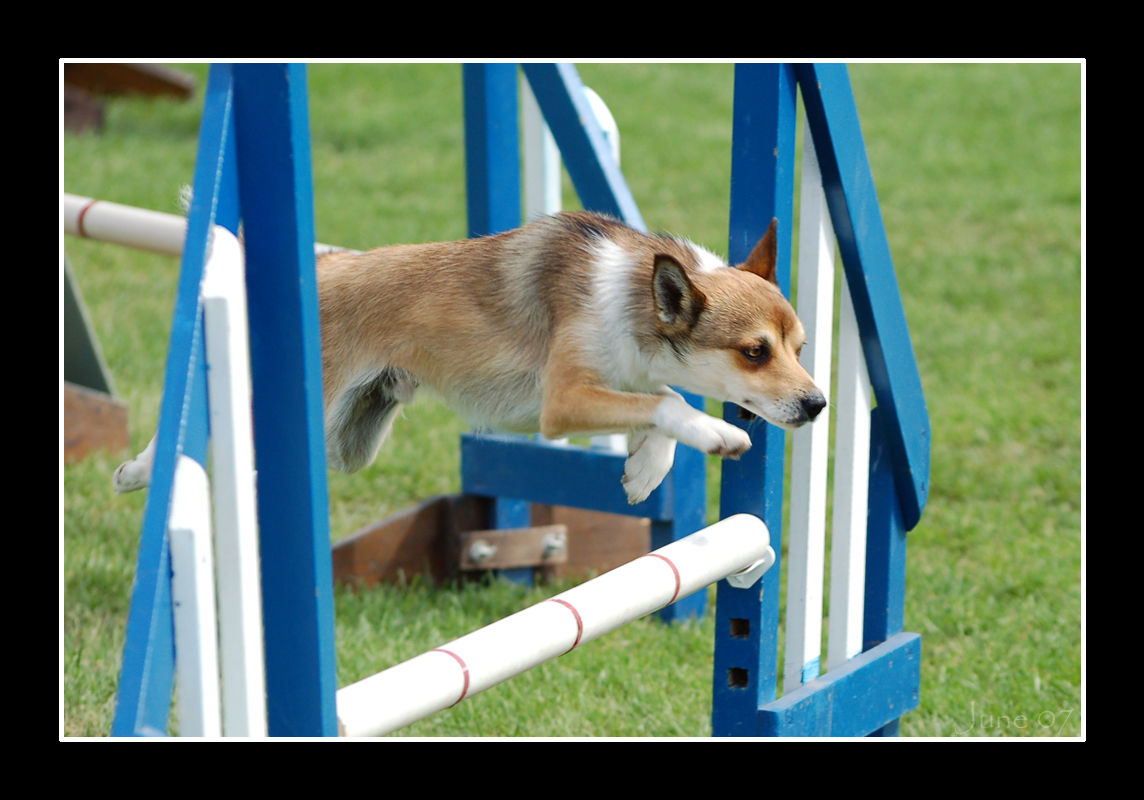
x=447, y=675
x=140, y=228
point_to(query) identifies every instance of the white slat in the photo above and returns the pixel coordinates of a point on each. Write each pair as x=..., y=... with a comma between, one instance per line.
x=851, y=482
x=541, y=160
x=236, y=517
x=806, y=555
x=193, y=597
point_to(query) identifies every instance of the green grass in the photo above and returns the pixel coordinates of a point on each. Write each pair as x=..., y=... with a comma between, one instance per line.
x=978, y=169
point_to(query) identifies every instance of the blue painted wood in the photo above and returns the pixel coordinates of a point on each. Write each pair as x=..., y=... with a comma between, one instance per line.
x=884, y=612
x=587, y=156
x=871, y=690
x=857, y=217
x=147, y=677
x=762, y=188
x=275, y=178
x=492, y=148
x=494, y=465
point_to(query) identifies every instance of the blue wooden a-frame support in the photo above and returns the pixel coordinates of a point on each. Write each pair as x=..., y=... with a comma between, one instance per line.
x=253, y=164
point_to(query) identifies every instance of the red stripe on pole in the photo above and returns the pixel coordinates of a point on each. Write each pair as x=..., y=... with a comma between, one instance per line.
x=675, y=571
x=79, y=220
x=576, y=614
x=464, y=670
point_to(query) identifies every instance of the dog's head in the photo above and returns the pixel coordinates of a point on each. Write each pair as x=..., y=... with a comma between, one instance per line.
x=735, y=336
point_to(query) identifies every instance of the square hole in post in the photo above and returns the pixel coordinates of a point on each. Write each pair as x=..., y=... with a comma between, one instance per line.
x=740, y=628
x=737, y=678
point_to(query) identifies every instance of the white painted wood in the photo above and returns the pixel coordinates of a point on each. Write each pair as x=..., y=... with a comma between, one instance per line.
x=542, y=184
x=193, y=598
x=236, y=516
x=810, y=452
x=442, y=677
x=851, y=484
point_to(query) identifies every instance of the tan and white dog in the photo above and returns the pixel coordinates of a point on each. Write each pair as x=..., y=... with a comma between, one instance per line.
x=573, y=325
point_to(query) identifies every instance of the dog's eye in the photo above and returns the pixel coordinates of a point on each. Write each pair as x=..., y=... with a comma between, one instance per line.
x=757, y=353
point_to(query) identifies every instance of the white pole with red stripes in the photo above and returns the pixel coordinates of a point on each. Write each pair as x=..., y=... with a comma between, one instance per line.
x=736, y=548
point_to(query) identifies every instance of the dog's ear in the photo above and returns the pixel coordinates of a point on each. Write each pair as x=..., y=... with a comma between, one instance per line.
x=678, y=303
x=762, y=259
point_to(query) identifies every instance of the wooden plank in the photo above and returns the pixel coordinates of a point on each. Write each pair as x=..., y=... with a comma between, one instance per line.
x=92, y=421
x=509, y=548
x=232, y=470
x=425, y=540
x=833, y=119
x=762, y=188
x=193, y=599
x=275, y=177
x=851, y=487
x=597, y=541
x=870, y=691
x=415, y=541
x=810, y=453
x=497, y=465
x=492, y=148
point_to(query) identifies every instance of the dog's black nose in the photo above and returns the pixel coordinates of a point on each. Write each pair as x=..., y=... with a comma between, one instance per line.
x=813, y=404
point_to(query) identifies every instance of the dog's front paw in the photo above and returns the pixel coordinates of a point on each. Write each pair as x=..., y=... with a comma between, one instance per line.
x=718, y=438
x=705, y=433
x=650, y=456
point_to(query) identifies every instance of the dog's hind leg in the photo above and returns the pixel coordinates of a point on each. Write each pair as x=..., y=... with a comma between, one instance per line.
x=136, y=473
x=360, y=420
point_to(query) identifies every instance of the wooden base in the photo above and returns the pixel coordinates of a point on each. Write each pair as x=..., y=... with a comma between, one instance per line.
x=427, y=540
x=92, y=421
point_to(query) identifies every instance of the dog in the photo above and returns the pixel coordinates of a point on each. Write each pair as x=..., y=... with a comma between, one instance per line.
x=573, y=325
